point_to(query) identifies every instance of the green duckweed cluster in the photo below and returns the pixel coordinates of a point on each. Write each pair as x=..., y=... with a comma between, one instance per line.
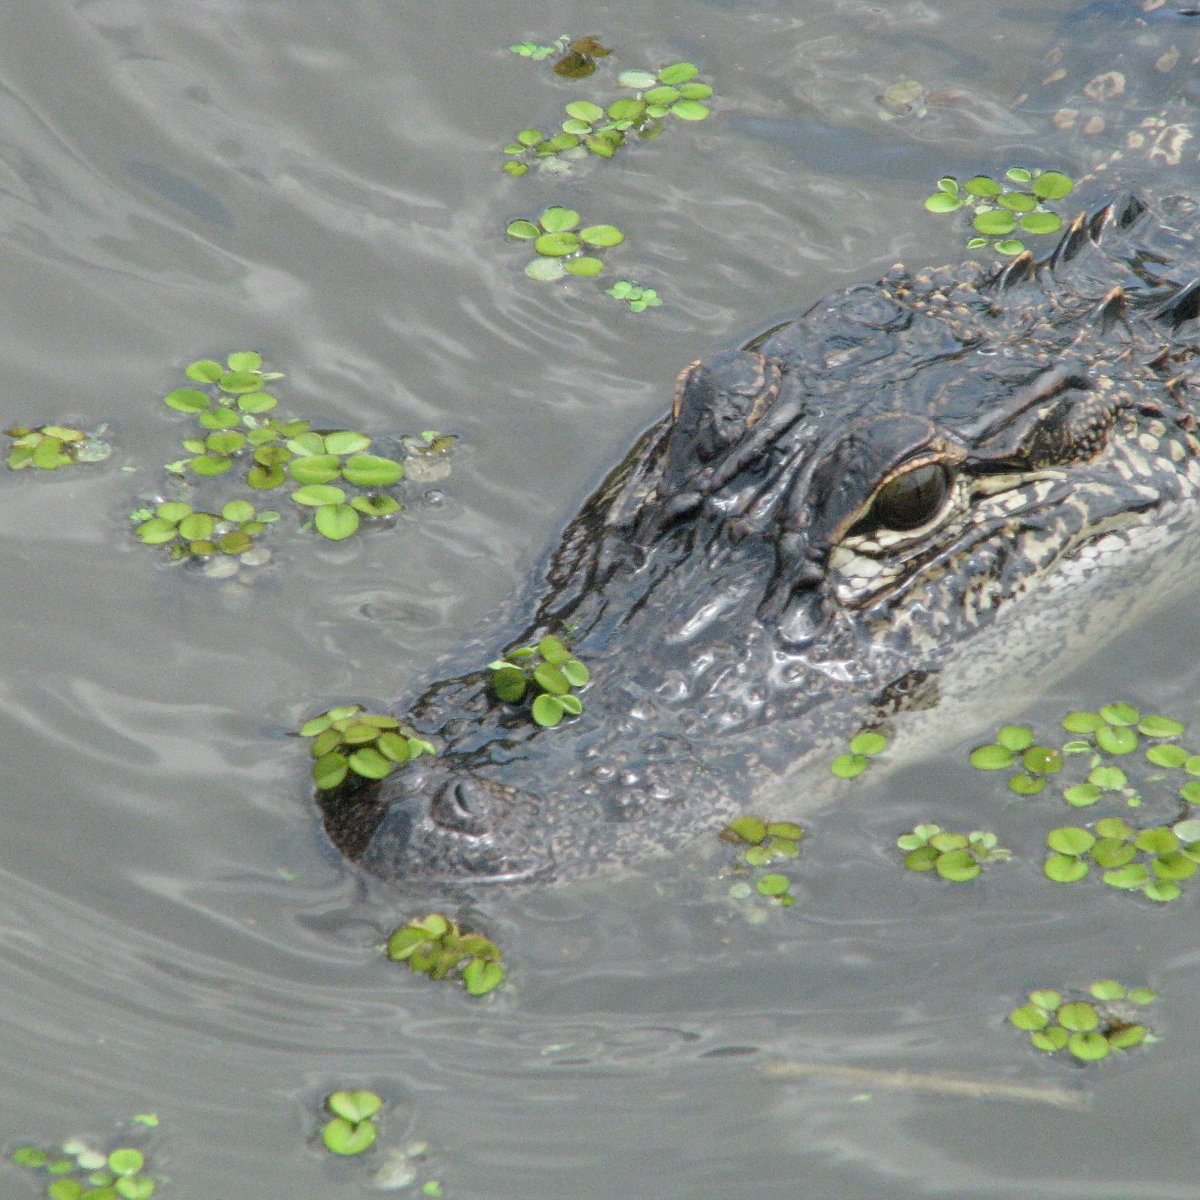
x=332, y=475
x=1089, y=1030
x=637, y=297
x=78, y=1170
x=1153, y=861
x=766, y=842
x=957, y=857
x=48, y=447
x=347, y=740
x=351, y=1128
x=192, y=533
x=548, y=673
x=594, y=129
x=434, y=945
x=863, y=747
x=561, y=247
x=1000, y=210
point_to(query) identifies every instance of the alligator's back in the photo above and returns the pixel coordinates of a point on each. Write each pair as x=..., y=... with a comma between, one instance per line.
x=961, y=466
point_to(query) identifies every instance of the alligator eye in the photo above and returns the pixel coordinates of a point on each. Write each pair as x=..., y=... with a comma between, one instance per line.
x=910, y=500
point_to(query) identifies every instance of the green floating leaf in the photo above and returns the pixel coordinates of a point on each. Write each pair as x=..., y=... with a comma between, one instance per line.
x=1052, y=185
x=689, y=110
x=1010, y=246
x=1041, y=222
x=1120, y=714
x=1083, y=722
x=1015, y=737
x=869, y=742
x=372, y=471
x=354, y=1106
x=1119, y=739
x=941, y=202
x=640, y=80
x=982, y=185
x=991, y=758
x=346, y=1137
x=547, y=710
x=556, y=245
x=557, y=219
x=482, y=976
x=847, y=766
x=545, y=269
x=187, y=400
x=584, y=266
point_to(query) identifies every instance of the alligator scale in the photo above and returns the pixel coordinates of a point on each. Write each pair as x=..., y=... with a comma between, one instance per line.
x=964, y=465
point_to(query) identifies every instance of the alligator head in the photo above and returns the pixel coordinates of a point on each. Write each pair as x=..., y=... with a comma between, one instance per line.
x=955, y=463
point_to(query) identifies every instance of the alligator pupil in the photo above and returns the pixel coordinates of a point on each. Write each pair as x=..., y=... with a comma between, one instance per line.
x=911, y=499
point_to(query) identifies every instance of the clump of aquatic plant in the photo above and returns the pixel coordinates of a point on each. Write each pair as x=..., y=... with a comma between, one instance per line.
x=766, y=842
x=351, y=1128
x=190, y=533
x=1090, y=1029
x=639, y=298
x=547, y=672
x=863, y=747
x=430, y=444
x=434, y=945
x=48, y=447
x=591, y=128
x=1001, y=210
x=561, y=246
x=1152, y=861
x=337, y=480
x=347, y=740
x=78, y=1169
x=954, y=856
x=1102, y=746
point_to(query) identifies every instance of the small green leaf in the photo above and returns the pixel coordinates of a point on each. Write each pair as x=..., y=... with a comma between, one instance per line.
x=602, y=235
x=678, y=73
x=773, y=885
x=557, y=219
x=335, y=521
x=315, y=495
x=545, y=269
x=639, y=80
x=345, y=1137
x=354, y=1106
x=1052, y=185
x=1118, y=739
x=581, y=110
x=982, y=185
x=689, y=110
x=525, y=230
x=547, y=710
x=1010, y=246
x=1120, y=714
x=204, y=370
x=330, y=770
x=1041, y=222
x=847, y=766
x=555, y=245
x=993, y=757
x=940, y=202
x=482, y=976
x=585, y=266
x=346, y=441
x=187, y=400
x=994, y=222
x=509, y=684
x=372, y=471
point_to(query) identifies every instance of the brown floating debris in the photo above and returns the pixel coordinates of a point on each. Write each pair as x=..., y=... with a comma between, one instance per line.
x=940, y=1085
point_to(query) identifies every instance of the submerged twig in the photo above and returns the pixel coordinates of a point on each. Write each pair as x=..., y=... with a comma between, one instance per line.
x=944, y=1085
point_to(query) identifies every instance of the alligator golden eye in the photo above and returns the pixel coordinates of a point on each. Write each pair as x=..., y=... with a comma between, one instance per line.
x=910, y=500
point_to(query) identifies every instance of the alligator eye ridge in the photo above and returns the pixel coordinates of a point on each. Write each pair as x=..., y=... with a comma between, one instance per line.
x=911, y=499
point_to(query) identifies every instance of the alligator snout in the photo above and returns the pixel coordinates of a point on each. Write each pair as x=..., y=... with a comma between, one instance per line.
x=441, y=820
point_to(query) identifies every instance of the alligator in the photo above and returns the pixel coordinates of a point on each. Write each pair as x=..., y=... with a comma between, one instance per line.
x=947, y=475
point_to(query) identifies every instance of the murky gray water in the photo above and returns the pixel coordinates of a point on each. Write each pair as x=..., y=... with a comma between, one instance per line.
x=320, y=182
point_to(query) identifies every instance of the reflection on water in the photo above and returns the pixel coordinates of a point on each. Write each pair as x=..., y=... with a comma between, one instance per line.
x=323, y=183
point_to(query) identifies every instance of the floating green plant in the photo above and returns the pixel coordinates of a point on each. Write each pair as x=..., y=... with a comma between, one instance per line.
x=195, y=534
x=1100, y=741
x=337, y=480
x=347, y=740
x=639, y=298
x=79, y=1170
x=602, y=130
x=537, y=51
x=561, y=246
x=351, y=1129
x=954, y=856
x=863, y=747
x=549, y=671
x=766, y=842
x=1152, y=861
x=1001, y=211
x=1087, y=1029
x=434, y=945
x=48, y=447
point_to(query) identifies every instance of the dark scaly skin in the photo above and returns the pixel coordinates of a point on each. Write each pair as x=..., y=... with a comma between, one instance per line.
x=734, y=585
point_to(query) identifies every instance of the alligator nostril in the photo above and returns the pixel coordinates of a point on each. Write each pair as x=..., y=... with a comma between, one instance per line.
x=463, y=805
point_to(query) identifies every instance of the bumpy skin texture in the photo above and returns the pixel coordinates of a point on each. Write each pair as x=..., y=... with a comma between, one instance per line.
x=950, y=464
